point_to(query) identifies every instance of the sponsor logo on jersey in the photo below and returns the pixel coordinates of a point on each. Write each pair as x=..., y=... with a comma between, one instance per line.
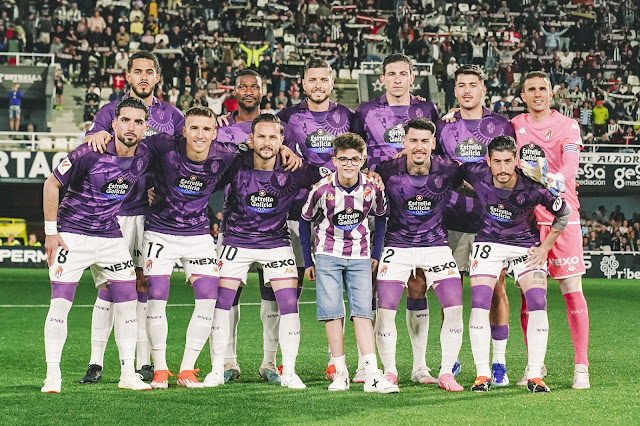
x=120, y=266
x=499, y=213
x=519, y=259
x=470, y=151
x=261, y=201
x=530, y=153
x=442, y=268
x=451, y=272
x=64, y=166
x=203, y=261
x=320, y=141
x=288, y=271
x=330, y=197
x=418, y=205
x=58, y=272
x=393, y=136
x=116, y=189
x=348, y=219
x=190, y=185
x=522, y=131
x=279, y=264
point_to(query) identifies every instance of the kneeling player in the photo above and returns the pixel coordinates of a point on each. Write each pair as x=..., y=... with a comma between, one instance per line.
x=509, y=236
x=420, y=188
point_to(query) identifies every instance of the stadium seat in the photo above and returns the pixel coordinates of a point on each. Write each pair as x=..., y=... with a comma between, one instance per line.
x=516, y=77
x=344, y=74
x=212, y=26
x=510, y=98
x=61, y=144
x=463, y=7
x=634, y=80
x=495, y=99
x=105, y=92
x=45, y=144
x=355, y=74
x=635, y=90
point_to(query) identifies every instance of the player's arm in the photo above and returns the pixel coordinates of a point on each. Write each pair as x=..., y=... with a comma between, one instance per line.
x=100, y=132
x=305, y=242
x=379, y=208
x=562, y=211
x=51, y=197
x=290, y=160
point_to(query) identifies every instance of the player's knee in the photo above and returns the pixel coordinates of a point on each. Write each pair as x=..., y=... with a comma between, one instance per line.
x=158, y=287
x=571, y=284
x=536, y=299
x=481, y=296
x=287, y=300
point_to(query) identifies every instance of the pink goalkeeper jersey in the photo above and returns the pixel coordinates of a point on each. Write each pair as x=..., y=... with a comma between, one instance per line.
x=558, y=140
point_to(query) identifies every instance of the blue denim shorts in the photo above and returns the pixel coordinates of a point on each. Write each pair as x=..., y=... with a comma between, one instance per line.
x=14, y=111
x=331, y=271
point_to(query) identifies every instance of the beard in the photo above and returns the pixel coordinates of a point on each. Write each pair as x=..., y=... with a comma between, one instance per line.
x=144, y=95
x=317, y=102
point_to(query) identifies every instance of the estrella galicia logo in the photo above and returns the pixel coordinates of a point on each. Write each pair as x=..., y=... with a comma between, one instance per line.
x=393, y=136
x=190, y=185
x=116, y=189
x=348, y=219
x=418, y=205
x=470, y=151
x=499, y=213
x=530, y=153
x=320, y=141
x=261, y=202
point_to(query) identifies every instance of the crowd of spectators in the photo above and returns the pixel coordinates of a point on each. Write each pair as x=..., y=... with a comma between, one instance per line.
x=613, y=231
x=588, y=47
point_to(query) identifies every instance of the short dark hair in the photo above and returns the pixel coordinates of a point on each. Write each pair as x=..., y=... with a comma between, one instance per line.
x=396, y=57
x=534, y=74
x=267, y=118
x=420, y=124
x=144, y=54
x=471, y=70
x=503, y=143
x=131, y=102
x=349, y=140
x=316, y=63
x=200, y=111
x=248, y=72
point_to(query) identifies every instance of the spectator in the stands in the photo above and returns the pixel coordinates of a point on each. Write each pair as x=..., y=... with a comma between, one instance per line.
x=11, y=241
x=600, y=117
x=33, y=241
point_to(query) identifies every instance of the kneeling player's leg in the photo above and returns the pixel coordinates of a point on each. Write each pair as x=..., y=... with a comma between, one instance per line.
x=534, y=287
x=479, y=327
x=417, y=317
x=449, y=293
x=101, y=325
x=389, y=295
x=55, y=326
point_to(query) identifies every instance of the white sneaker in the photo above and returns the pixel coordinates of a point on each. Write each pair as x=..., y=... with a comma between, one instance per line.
x=581, y=377
x=525, y=377
x=421, y=375
x=379, y=383
x=291, y=381
x=340, y=381
x=213, y=379
x=360, y=376
x=133, y=382
x=52, y=385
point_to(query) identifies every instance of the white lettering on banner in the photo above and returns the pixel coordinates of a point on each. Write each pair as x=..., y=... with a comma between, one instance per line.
x=626, y=176
x=4, y=160
x=23, y=256
x=27, y=164
x=610, y=158
x=21, y=78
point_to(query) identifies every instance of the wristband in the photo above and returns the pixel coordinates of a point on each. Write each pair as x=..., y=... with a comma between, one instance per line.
x=50, y=227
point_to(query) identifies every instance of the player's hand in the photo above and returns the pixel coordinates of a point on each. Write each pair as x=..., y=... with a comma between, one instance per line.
x=449, y=116
x=555, y=183
x=310, y=273
x=223, y=120
x=537, y=257
x=98, y=141
x=376, y=178
x=51, y=244
x=290, y=160
x=400, y=154
x=374, y=266
x=420, y=98
x=151, y=194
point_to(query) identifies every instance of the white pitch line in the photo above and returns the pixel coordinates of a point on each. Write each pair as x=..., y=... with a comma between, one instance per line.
x=178, y=305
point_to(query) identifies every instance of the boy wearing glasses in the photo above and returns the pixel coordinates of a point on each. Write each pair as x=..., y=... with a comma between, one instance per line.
x=339, y=205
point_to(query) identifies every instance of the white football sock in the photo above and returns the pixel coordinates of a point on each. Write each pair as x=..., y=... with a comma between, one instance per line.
x=53, y=369
x=370, y=365
x=480, y=337
x=450, y=337
x=499, y=351
x=289, y=334
x=197, y=332
x=158, y=329
x=270, y=316
x=373, y=322
x=231, y=356
x=340, y=363
x=537, y=336
x=418, y=326
x=55, y=331
x=143, y=349
x=386, y=339
x=219, y=338
x=101, y=325
x=125, y=330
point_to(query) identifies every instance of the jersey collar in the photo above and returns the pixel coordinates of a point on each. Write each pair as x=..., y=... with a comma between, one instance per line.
x=305, y=105
x=485, y=112
x=383, y=100
x=154, y=100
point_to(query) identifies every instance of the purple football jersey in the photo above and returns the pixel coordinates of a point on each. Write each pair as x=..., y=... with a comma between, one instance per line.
x=163, y=118
x=97, y=186
x=259, y=201
x=417, y=204
x=508, y=215
x=314, y=131
x=239, y=132
x=183, y=187
x=382, y=126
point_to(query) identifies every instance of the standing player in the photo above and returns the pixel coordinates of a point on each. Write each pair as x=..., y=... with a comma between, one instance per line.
x=465, y=140
x=340, y=204
x=258, y=203
x=507, y=200
x=543, y=132
x=142, y=75
x=381, y=123
x=420, y=189
x=90, y=237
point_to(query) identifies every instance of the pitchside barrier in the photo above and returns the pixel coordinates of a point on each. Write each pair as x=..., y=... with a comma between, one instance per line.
x=612, y=265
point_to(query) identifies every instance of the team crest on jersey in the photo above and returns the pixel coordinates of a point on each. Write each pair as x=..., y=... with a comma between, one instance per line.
x=116, y=189
x=499, y=212
x=418, y=205
x=320, y=141
x=368, y=193
x=530, y=153
x=470, y=151
x=393, y=136
x=383, y=270
x=261, y=201
x=58, y=272
x=348, y=219
x=148, y=265
x=191, y=185
x=548, y=133
x=474, y=265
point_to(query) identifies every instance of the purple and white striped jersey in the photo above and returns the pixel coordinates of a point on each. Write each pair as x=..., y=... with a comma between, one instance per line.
x=163, y=118
x=382, y=126
x=341, y=224
x=97, y=184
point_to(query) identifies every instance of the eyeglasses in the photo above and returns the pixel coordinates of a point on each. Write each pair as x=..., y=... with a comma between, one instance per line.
x=343, y=161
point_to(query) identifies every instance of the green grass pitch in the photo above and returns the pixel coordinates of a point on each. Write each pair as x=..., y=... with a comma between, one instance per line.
x=614, y=356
